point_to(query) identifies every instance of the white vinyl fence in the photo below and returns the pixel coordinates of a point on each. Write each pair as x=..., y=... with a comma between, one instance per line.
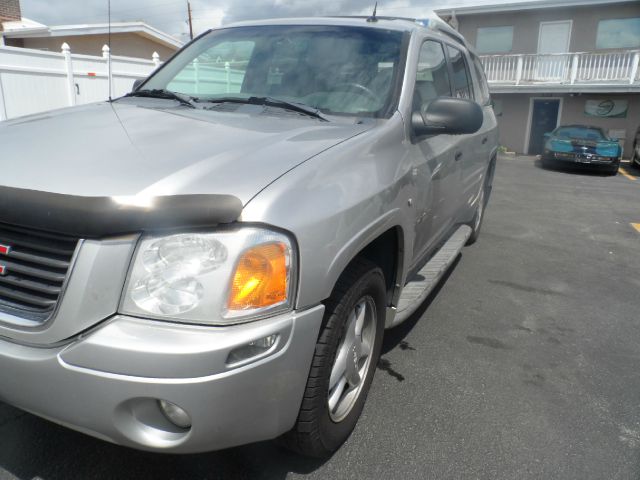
x=33, y=81
x=214, y=78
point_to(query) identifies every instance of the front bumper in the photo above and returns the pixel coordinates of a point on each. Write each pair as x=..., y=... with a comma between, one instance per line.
x=579, y=158
x=108, y=383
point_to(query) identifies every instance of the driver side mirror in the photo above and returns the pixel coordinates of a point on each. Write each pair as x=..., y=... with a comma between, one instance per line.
x=454, y=116
x=137, y=84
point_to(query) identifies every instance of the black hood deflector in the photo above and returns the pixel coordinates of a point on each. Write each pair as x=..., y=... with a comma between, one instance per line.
x=96, y=217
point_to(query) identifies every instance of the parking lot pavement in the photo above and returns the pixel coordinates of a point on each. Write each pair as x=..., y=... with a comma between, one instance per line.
x=524, y=363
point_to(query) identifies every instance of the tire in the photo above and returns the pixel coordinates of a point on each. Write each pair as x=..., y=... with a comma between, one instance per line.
x=319, y=432
x=547, y=163
x=613, y=170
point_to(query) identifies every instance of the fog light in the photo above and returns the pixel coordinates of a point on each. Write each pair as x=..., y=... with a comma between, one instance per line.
x=253, y=349
x=175, y=414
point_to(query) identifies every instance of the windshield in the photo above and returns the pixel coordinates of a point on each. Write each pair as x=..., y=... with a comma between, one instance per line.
x=580, y=133
x=338, y=70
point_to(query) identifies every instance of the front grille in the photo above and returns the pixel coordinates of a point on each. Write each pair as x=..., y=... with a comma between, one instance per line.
x=36, y=265
x=583, y=147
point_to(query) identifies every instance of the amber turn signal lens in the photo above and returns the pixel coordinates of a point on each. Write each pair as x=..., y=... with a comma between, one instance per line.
x=261, y=278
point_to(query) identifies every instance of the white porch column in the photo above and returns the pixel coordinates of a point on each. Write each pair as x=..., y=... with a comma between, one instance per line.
x=519, y=66
x=634, y=67
x=574, y=68
x=71, y=87
x=196, y=75
x=156, y=59
x=106, y=54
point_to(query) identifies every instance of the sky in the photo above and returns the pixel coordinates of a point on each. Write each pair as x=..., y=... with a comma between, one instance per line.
x=170, y=15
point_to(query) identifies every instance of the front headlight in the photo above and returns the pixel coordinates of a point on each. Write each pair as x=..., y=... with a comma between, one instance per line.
x=608, y=150
x=223, y=277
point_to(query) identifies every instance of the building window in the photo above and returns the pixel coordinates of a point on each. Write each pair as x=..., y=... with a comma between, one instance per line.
x=618, y=33
x=494, y=39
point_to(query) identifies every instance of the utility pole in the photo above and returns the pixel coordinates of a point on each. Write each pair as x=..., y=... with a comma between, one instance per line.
x=190, y=20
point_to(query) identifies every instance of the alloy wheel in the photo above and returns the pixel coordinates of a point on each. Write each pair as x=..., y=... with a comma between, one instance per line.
x=353, y=359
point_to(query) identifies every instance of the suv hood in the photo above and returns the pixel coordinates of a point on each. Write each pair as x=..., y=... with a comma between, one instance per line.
x=138, y=146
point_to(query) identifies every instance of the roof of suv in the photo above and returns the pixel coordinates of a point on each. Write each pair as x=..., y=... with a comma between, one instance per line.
x=430, y=21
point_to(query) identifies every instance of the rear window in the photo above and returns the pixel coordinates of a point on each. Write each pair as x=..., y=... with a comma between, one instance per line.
x=580, y=133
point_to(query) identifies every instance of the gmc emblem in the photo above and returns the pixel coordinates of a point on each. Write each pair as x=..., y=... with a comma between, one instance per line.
x=4, y=250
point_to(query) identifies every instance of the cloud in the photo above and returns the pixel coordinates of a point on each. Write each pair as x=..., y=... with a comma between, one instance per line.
x=207, y=18
x=171, y=15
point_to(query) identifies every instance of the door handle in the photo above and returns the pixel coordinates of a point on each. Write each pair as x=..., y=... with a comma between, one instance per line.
x=458, y=156
x=484, y=140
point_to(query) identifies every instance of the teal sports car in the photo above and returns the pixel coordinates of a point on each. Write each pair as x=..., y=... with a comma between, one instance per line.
x=582, y=145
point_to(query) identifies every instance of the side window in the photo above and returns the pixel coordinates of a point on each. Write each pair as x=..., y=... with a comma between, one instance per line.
x=432, y=79
x=484, y=97
x=462, y=85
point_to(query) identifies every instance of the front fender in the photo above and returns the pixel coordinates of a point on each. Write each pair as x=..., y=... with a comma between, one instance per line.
x=338, y=203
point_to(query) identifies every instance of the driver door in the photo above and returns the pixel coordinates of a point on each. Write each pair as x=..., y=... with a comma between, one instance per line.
x=437, y=172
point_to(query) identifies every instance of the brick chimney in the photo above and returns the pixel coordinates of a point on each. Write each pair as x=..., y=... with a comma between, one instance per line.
x=9, y=10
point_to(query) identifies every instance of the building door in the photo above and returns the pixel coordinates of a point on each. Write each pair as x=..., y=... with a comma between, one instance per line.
x=544, y=118
x=553, y=43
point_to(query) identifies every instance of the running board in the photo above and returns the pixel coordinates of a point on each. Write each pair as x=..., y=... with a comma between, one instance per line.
x=423, y=282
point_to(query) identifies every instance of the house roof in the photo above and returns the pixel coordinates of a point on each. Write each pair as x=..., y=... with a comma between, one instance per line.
x=24, y=26
x=522, y=5
x=29, y=29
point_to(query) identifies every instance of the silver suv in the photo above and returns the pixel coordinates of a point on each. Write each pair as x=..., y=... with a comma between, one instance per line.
x=212, y=260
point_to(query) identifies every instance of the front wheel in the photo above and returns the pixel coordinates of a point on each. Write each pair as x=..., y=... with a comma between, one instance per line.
x=344, y=362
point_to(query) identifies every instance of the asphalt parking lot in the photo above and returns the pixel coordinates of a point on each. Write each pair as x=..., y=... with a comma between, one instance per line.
x=523, y=364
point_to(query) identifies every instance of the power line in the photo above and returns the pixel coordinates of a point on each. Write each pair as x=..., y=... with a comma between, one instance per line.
x=190, y=20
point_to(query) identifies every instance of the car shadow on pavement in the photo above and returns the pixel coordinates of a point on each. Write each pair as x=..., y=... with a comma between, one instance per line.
x=568, y=169
x=33, y=448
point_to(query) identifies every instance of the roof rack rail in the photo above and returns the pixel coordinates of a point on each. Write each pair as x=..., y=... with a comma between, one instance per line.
x=431, y=21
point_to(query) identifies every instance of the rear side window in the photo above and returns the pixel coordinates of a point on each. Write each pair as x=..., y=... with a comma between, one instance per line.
x=432, y=79
x=462, y=85
x=484, y=97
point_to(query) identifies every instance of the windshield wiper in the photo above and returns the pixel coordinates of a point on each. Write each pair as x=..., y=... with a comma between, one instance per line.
x=166, y=94
x=271, y=102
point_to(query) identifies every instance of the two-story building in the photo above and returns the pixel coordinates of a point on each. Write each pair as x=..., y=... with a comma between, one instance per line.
x=553, y=62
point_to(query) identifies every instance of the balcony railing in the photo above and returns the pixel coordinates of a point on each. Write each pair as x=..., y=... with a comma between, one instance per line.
x=563, y=68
